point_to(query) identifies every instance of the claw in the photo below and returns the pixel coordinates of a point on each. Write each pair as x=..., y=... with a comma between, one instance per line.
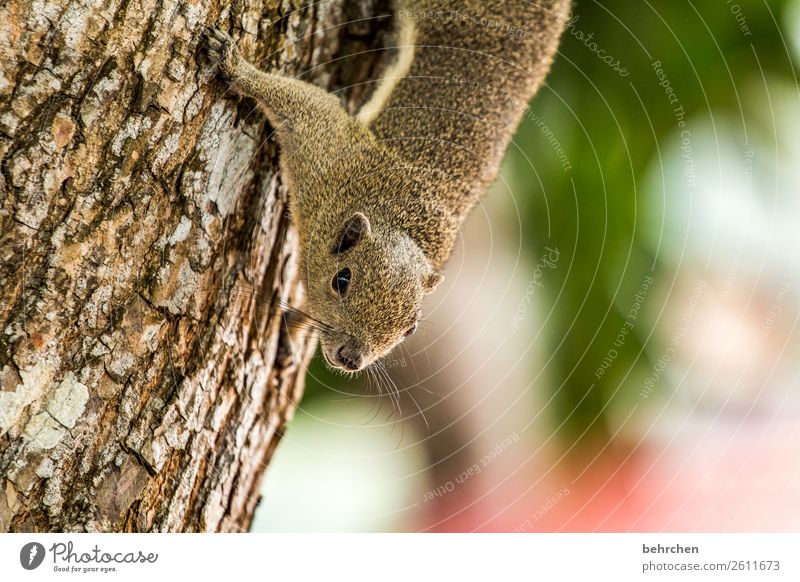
x=214, y=34
x=221, y=49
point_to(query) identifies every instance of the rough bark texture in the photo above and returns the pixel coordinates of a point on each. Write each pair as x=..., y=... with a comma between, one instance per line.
x=145, y=376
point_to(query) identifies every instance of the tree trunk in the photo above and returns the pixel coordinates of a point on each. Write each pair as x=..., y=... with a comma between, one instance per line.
x=145, y=374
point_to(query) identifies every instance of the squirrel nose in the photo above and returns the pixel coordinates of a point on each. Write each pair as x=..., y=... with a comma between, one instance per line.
x=349, y=358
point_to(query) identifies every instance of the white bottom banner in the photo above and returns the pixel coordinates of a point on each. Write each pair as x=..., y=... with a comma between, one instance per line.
x=356, y=557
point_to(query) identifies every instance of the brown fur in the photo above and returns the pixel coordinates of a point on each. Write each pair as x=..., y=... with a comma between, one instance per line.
x=414, y=169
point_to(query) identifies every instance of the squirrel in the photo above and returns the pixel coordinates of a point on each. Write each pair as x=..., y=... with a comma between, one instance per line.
x=378, y=198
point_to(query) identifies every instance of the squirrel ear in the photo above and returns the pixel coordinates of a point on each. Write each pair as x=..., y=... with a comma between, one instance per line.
x=356, y=228
x=431, y=282
x=359, y=223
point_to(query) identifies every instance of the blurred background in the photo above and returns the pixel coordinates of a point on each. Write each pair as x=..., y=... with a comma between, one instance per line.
x=614, y=347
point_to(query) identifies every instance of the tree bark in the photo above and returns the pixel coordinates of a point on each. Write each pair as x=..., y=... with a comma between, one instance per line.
x=145, y=374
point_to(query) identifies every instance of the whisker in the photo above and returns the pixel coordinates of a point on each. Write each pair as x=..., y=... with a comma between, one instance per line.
x=411, y=359
x=394, y=395
x=377, y=404
x=295, y=327
x=300, y=313
x=421, y=413
x=417, y=382
x=304, y=326
x=298, y=319
x=380, y=384
x=392, y=385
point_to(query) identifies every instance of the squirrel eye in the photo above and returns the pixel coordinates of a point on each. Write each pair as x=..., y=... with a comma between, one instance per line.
x=341, y=281
x=410, y=330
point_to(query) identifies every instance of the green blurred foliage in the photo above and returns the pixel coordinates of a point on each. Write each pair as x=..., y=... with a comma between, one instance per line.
x=611, y=126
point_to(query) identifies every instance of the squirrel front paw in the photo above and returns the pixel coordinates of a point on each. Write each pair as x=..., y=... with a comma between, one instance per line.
x=222, y=51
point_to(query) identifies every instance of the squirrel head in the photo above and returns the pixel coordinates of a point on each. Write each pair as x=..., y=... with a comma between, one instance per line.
x=370, y=293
